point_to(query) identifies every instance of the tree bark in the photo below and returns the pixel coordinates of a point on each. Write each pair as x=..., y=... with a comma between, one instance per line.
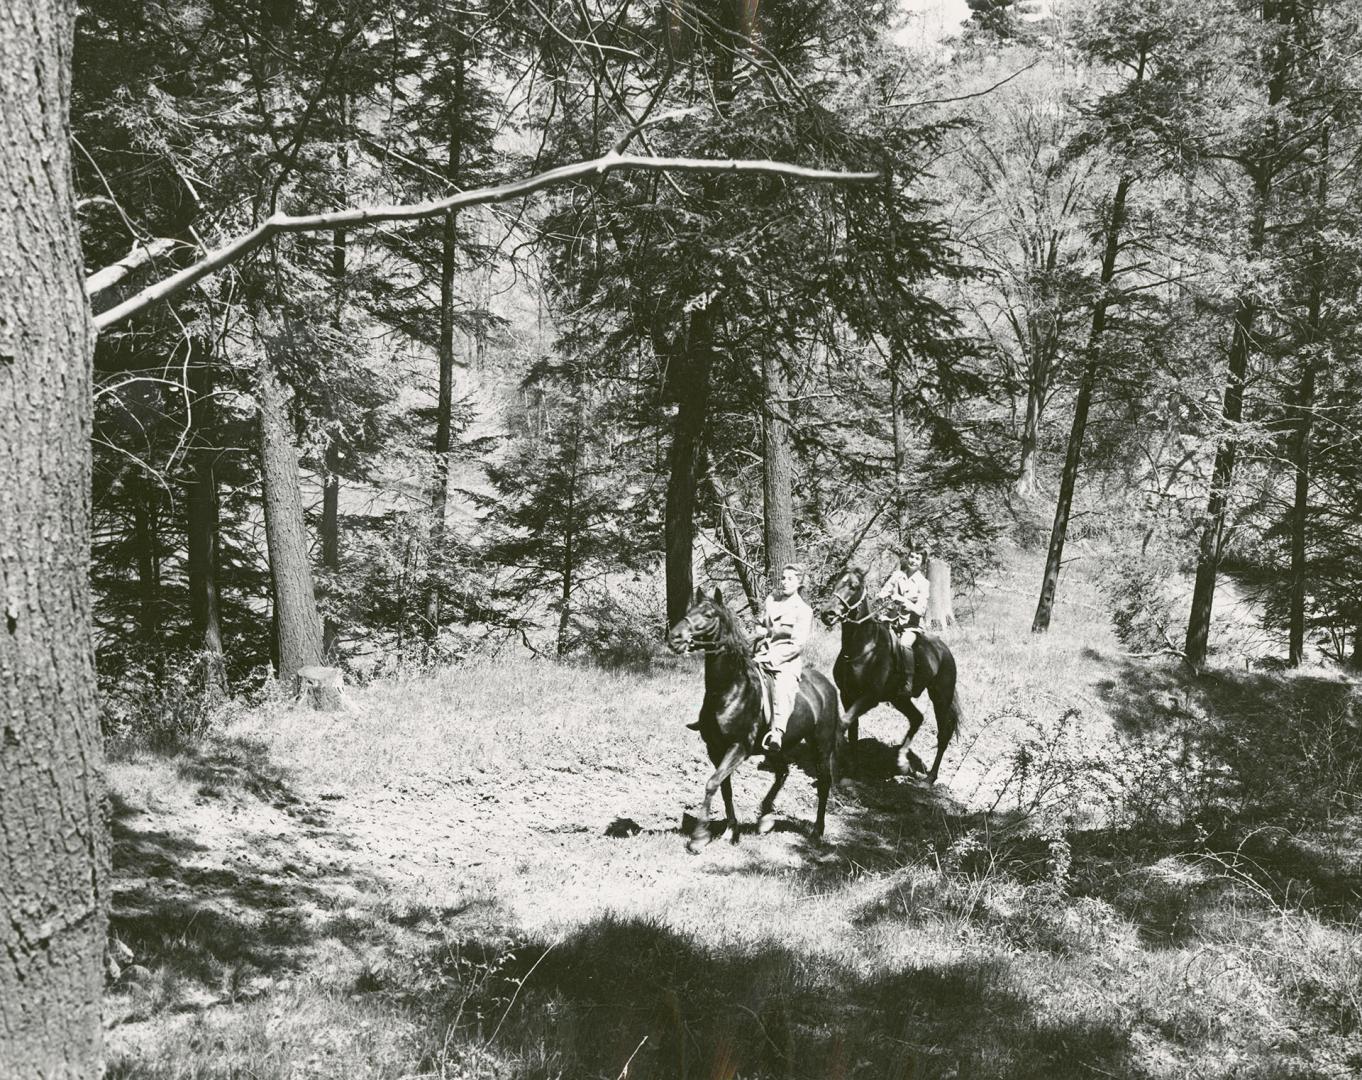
x=148, y=575
x=733, y=540
x=1261, y=167
x=444, y=410
x=1300, y=510
x=1069, y=478
x=1305, y=415
x=1222, y=472
x=54, y=847
x=569, y=568
x=1030, y=439
x=299, y=629
x=689, y=384
x=777, y=496
x=201, y=528
x=331, y=458
x=330, y=537
x=900, y=453
x=940, y=597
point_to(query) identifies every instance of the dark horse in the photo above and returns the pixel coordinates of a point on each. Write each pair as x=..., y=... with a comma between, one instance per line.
x=873, y=667
x=731, y=717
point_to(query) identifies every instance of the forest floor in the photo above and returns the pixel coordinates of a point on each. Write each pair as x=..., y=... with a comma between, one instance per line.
x=481, y=873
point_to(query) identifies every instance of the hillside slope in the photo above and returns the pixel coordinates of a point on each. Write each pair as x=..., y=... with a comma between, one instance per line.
x=481, y=873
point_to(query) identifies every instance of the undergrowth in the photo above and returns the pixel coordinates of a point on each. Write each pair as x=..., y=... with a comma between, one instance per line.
x=1126, y=871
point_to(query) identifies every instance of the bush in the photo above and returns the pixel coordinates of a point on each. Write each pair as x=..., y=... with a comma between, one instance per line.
x=159, y=703
x=1139, y=586
x=619, y=627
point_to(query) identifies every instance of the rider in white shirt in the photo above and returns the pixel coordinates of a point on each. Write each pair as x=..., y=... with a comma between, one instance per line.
x=904, y=597
x=787, y=622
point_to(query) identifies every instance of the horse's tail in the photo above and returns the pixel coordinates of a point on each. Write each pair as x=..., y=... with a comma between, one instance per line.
x=957, y=710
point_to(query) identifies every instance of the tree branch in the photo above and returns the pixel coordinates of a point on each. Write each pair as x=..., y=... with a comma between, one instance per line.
x=138, y=257
x=371, y=215
x=961, y=97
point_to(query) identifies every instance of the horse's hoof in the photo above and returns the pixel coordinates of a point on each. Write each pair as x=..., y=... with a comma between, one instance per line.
x=697, y=844
x=765, y=824
x=734, y=834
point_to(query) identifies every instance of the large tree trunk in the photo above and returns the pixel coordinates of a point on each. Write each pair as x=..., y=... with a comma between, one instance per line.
x=940, y=596
x=299, y=629
x=202, y=525
x=777, y=496
x=689, y=384
x=1069, y=478
x=54, y=848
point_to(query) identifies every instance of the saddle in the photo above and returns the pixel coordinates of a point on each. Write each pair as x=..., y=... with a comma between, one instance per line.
x=768, y=689
x=768, y=692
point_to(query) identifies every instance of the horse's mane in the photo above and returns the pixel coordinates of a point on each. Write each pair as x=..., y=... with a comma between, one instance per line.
x=731, y=634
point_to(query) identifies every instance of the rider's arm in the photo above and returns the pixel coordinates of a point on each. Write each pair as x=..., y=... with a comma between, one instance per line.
x=895, y=588
x=763, y=630
x=803, y=627
x=915, y=596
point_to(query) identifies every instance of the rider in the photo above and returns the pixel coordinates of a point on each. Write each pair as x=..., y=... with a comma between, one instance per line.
x=786, y=624
x=905, y=597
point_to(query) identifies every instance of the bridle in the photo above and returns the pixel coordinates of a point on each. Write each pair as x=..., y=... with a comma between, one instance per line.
x=848, y=606
x=696, y=643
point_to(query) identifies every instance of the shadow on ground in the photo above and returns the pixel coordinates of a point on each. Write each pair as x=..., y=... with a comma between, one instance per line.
x=191, y=927
x=620, y=992
x=1264, y=767
x=632, y=996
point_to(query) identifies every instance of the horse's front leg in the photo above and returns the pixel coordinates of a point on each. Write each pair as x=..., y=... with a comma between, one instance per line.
x=767, y=821
x=848, y=731
x=732, y=758
x=731, y=815
x=824, y=785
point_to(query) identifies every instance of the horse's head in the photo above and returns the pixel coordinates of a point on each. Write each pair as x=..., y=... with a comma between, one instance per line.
x=704, y=626
x=845, y=596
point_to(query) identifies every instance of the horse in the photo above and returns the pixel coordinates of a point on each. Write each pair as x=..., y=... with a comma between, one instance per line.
x=732, y=714
x=873, y=667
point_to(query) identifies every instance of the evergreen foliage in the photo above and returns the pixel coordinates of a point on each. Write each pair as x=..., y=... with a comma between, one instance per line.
x=507, y=420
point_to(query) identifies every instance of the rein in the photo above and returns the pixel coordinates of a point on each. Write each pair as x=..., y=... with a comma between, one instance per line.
x=708, y=646
x=848, y=608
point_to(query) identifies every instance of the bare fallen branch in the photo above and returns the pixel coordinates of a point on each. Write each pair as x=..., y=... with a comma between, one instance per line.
x=372, y=215
x=138, y=257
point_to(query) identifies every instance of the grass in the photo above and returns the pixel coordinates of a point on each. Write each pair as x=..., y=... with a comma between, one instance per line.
x=1125, y=872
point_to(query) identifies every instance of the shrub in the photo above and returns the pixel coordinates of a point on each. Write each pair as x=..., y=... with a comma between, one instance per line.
x=619, y=627
x=1139, y=586
x=159, y=703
